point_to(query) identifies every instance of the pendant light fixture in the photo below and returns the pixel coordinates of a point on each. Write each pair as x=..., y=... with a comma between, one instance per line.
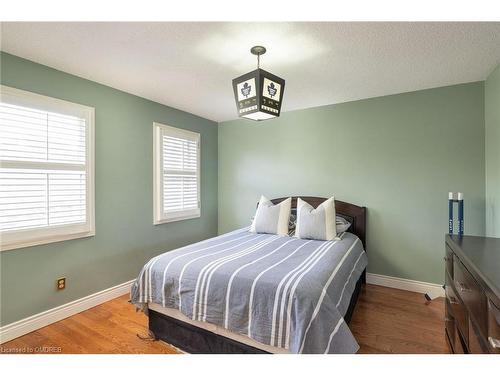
x=258, y=94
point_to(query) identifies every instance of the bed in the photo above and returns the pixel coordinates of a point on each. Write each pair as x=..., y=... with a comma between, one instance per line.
x=258, y=293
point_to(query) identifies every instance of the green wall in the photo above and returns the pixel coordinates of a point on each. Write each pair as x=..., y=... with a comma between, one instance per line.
x=125, y=236
x=397, y=155
x=492, y=125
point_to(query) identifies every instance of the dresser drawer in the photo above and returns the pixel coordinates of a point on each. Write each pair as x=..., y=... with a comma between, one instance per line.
x=471, y=294
x=448, y=260
x=451, y=330
x=449, y=321
x=457, y=308
x=458, y=344
x=477, y=345
x=493, y=328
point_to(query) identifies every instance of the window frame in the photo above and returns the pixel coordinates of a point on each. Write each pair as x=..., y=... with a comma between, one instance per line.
x=159, y=216
x=21, y=238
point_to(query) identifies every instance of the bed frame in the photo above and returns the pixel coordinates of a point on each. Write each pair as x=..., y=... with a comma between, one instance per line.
x=192, y=339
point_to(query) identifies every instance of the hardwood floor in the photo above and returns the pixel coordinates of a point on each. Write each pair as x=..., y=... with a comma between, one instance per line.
x=389, y=320
x=108, y=328
x=385, y=321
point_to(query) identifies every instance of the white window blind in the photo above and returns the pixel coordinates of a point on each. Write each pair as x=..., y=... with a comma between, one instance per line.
x=45, y=169
x=177, y=174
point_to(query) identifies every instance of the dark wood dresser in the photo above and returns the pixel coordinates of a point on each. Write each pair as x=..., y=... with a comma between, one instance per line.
x=473, y=294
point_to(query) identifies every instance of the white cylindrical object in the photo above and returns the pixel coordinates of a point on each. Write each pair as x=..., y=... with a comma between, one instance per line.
x=460, y=196
x=450, y=195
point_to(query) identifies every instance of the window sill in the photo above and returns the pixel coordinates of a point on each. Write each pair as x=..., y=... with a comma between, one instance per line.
x=172, y=219
x=45, y=240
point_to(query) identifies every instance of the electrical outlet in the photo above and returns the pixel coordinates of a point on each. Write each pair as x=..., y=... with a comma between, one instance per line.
x=61, y=283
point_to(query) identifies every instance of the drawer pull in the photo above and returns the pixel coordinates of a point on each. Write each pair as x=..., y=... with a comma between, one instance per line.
x=495, y=343
x=454, y=301
x=463, y=287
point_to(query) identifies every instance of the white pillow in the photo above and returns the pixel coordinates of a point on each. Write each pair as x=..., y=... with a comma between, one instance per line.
x=316, y=224
x=271, y=218
x=342, y=224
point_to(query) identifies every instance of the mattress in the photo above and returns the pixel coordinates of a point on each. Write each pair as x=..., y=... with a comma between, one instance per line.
x=287, y=293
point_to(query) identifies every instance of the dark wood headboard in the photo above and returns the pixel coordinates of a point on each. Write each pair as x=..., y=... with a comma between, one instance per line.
x=355, y=214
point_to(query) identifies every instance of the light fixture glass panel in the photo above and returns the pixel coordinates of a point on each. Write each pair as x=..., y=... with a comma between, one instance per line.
x=271, y=90
x=247, y=89
x=258, y=116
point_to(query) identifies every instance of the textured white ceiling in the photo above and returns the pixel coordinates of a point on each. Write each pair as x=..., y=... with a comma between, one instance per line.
x=190, y=66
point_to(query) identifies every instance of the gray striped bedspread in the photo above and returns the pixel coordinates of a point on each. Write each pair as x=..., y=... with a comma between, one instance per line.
x=278, y=290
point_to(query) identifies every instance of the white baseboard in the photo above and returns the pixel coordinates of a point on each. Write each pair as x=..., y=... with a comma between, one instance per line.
x=405, y=284
x=34, y=322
